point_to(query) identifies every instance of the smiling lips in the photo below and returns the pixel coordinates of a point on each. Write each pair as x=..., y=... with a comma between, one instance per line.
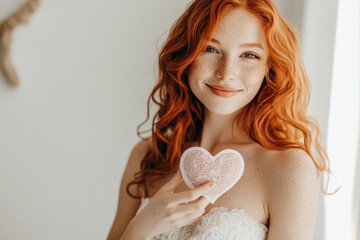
x=223, y=91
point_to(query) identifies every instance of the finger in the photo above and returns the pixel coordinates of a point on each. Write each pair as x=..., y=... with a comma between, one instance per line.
x=172, y=183
x=196, y=206
x=190, y=218
x=191, y=195
x=186, y=220
x=195, y=215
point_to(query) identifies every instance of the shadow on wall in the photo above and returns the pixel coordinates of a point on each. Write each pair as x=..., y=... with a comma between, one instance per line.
x=356, y=217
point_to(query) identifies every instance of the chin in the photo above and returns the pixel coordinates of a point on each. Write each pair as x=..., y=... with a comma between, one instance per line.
x=223, y=111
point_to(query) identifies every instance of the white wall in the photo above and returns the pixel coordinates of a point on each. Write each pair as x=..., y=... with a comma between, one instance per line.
x=318, y=41
x=86, y=70
x=292, y=11
x=343, y=133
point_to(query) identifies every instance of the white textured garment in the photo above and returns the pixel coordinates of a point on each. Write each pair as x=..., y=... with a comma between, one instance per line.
x=218, y=224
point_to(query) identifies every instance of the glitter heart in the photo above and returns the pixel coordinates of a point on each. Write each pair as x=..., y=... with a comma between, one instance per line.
x=225, y=169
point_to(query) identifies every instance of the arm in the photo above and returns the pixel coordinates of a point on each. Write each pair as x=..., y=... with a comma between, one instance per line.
x=127, y=206
x=291, y=196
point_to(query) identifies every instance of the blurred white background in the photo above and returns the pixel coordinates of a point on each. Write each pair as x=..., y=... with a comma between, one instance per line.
x=86, y=69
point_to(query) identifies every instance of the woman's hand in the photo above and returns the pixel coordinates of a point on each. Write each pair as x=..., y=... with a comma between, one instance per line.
x=167, y=210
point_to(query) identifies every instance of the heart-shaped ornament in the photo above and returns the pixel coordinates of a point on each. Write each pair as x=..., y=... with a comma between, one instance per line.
x=225, y=169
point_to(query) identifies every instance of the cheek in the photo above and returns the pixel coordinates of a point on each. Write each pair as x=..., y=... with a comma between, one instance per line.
x=200, y=68
x=254, y=75
x=195, y=72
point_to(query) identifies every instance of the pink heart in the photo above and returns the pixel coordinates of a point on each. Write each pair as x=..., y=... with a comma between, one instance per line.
x=198, y=166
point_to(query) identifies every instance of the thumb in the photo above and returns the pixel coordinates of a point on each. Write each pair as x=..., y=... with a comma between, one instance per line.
x=172, y=183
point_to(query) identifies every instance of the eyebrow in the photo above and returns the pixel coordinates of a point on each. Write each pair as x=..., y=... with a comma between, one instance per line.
x=256, y=45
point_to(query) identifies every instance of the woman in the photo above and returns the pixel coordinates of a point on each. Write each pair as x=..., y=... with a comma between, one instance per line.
x=230, y=77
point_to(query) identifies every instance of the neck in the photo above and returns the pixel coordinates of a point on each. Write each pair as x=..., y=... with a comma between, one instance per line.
x=221, y=129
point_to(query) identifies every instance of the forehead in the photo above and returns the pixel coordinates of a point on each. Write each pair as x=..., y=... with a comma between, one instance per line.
x=242, y=25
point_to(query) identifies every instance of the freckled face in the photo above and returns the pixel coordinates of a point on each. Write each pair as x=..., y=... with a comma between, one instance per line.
x=227, y=75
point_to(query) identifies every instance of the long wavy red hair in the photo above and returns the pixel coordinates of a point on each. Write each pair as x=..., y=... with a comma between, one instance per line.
x=276, y=118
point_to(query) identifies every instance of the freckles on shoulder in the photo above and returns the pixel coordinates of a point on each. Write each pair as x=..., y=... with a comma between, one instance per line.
x=291, y=169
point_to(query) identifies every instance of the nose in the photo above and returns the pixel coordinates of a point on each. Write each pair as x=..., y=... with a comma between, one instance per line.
x=228, y=69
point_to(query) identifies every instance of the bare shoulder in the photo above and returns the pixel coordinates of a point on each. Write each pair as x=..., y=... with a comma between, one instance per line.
x=291, y=166
x=291, y=190
x=136, y=155
x=142, y=147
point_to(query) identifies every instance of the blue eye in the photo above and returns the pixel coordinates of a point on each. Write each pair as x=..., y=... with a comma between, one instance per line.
x=250, y=55
x=211, y=49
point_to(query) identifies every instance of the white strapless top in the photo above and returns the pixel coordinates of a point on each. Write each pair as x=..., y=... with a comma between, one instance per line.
x=219, y=223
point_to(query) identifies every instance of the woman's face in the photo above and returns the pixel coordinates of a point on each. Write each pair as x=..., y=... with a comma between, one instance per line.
x=228, y=73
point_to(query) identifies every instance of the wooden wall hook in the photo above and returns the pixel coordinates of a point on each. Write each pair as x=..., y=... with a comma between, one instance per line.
x=6, y=27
